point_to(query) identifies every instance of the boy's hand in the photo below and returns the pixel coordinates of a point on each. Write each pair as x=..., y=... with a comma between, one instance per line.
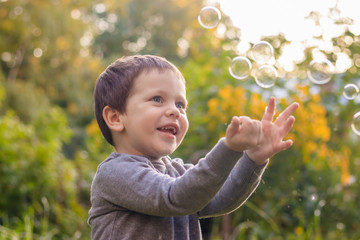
x=273, y=133
x=243, y=133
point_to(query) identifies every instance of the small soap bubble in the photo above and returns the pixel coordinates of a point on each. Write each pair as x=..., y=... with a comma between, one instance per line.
x=209, y=17
x=350, y=91
x=240, y=67
x=355, y=125
x=262, y=52
x=322, y=203
x=320, y=71
x=340, y=226
x=265, y=76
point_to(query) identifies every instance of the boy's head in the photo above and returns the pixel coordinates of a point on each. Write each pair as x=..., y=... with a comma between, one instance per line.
x=116, y=82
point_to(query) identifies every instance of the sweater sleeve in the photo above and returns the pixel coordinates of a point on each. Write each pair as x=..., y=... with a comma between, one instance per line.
x=128, y=182
x=241, y=183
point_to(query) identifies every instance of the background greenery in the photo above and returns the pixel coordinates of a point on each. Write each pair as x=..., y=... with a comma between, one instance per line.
x=51, y=54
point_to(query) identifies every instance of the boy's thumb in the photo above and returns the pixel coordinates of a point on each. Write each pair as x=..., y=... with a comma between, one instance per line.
x=234, y=125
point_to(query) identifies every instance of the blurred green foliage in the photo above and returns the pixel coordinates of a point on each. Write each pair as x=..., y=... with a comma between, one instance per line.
x=51, y=53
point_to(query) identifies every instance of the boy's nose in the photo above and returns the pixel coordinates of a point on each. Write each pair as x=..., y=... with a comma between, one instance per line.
x=173, y=111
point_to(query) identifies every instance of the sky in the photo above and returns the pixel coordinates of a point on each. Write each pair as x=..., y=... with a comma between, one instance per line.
x=260, y=18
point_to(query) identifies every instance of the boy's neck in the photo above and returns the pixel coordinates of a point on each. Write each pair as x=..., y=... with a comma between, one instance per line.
x=120, y=150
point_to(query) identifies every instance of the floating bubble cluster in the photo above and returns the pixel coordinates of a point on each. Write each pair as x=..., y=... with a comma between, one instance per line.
x=240, y=67
x=320, y=71
x=265, y=76
x=209, y=17
x=350, y=91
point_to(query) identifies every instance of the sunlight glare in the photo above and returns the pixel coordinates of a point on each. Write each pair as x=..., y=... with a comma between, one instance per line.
x=260, y=18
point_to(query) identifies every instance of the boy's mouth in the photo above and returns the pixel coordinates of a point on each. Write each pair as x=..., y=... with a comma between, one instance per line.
x=170, y=129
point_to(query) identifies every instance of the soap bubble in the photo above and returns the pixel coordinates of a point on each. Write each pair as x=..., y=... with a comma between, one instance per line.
x=262, y=52
x=240, y=67
x=209, y=17
x=355, y=125
x=320, y=71
x=266, y=76
x=350, y=91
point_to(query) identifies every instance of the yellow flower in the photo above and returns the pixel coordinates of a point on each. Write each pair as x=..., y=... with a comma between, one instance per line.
x=225, y=92
x=298, y=230
x=212, y=105
x=92, y=128
x=344, y=165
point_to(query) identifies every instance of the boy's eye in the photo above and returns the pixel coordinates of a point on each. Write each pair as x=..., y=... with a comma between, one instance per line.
x=180, y=105
x=157, y=99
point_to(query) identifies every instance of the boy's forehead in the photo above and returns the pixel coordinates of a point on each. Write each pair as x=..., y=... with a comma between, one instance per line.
x=148, y=74
x=161, y=71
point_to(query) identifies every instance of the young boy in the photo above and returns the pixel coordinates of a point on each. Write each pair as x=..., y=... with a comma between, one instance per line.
x=138, y=192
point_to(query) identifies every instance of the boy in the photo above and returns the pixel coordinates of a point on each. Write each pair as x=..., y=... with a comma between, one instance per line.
x=138, y=192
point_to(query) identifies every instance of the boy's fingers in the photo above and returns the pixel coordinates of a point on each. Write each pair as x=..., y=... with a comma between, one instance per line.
x=285, y=145
x=288, y=125
x=234, y=124
x=286, y=113
x=269, y=110
x=260, y=134
x=244, y=120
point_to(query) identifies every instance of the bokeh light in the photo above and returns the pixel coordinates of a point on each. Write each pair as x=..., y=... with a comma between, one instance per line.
x=350, y=91
x=38, y=52
x=320, y=71
x=240, y=67
x=209, y=17
x=355, y=125
x=266, y=76
x=262, y=52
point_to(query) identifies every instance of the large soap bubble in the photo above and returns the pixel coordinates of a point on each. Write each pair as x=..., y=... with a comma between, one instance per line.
x=266, y=76
x=209, y=17
x=262, y=52
x=240, y=67
x=320, y=71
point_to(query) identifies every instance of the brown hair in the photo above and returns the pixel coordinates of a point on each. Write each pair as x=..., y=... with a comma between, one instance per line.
x=114, y=84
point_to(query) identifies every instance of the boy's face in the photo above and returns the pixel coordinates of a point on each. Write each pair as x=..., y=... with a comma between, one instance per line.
x=155, y=121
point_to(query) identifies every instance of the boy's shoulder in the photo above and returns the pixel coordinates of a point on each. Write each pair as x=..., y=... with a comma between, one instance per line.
x=120, y=162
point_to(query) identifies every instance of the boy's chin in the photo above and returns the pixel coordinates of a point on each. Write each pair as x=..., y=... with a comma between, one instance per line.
x=163, y=153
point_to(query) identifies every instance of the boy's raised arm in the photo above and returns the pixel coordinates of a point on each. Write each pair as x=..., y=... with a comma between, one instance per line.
x=238, y=187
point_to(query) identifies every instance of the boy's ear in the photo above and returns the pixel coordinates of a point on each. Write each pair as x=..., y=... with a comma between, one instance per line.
x=113, y=119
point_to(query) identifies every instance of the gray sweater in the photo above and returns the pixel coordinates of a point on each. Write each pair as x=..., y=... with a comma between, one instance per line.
x=135, y=198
